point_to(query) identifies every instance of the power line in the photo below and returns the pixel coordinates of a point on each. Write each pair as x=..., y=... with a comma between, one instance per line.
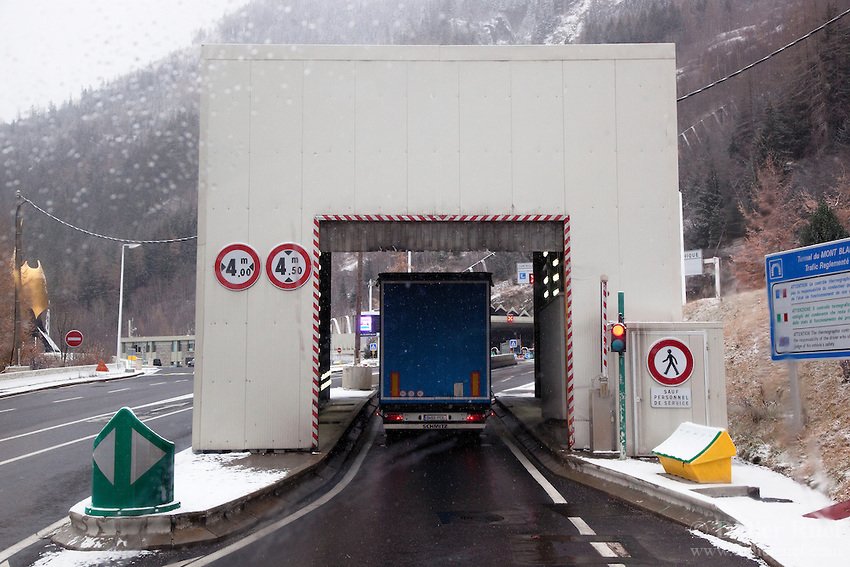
x=766, y=57
x=103, y=236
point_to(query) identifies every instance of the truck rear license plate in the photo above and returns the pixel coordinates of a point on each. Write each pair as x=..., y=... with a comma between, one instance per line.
x=435, y=417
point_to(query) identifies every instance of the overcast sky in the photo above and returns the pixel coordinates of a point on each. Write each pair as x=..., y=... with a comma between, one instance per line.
x=51, y=49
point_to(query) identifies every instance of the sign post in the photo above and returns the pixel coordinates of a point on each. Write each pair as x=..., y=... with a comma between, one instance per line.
x=808, y=292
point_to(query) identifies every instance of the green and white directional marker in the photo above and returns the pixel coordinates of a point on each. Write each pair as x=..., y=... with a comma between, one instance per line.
x=132, y=469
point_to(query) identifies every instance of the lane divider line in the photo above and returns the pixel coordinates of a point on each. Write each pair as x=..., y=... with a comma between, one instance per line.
x=5, y=410
x=535, y=473
x=118, y=390
x=25, y=543
x=605, y=549
x=65, y=444
x=83, y=420
x=270, y=529
x=581, y=526
x=67, y=400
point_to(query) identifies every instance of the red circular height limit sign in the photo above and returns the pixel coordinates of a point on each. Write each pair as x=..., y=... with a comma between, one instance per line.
x=73, y=338
x=237, y=266
x=288, y=266
x=670, y=362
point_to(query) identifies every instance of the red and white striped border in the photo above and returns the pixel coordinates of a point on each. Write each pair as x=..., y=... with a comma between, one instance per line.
x=567, y=272
x=444, y=218
x=316, y=378
x=568, y=291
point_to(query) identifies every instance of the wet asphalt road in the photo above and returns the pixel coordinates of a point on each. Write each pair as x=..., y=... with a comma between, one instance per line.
x=46, y=442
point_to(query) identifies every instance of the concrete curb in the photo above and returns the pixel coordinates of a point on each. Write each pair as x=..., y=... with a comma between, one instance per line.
x=689, y=511
x=176, y=529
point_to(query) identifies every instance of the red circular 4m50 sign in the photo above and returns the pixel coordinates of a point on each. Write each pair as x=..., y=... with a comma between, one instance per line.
x=73, y=338
x=288, y=266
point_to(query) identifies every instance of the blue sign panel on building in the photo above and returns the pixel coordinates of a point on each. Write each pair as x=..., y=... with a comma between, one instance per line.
x=809, y=300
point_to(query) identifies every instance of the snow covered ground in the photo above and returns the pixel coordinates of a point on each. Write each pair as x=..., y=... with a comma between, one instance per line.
x=778, y=528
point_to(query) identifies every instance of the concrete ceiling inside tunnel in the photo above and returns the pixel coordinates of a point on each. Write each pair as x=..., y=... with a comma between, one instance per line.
x=507, y=236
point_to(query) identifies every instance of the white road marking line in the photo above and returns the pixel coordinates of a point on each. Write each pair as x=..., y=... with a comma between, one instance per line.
x=249, y=540
x=603, y=549
x=159, y=402
x=67, y=400
x=60, y=445
x=535, y=474
x=181, y=380
x=581, y=526
x=157, y=383
x=25, y=543
x=5, y=410
x=118, y=390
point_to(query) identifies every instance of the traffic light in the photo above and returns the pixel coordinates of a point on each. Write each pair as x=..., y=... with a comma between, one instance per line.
x=618, y=337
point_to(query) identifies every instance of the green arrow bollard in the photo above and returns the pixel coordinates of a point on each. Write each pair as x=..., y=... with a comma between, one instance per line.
x=132, y=469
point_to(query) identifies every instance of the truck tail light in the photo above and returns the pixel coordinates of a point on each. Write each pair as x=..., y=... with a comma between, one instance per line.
x=393, y=416
x=476, y=417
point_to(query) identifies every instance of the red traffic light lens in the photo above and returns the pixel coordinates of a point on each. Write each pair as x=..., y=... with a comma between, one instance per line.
x=618, y=330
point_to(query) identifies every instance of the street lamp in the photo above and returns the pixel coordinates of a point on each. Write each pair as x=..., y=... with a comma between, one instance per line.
x=121, y=300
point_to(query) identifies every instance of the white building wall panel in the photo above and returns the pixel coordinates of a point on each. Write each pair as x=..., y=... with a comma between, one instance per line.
x=590, y=156
x=381, y=137
x=485, y=136
x=329, y=136
x=537, y=136
x=274, y=364
x=433, y=137
x=646, y=140
x=220, y=404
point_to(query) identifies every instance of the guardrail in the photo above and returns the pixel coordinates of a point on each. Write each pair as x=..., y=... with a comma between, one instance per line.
x=70, y=371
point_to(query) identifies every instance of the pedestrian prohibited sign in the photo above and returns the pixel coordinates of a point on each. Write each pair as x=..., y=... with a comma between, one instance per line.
x=288, y=266
x=670, y=362
x=237, y=266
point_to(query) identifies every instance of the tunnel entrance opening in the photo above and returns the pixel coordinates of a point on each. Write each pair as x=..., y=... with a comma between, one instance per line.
x=543, y=238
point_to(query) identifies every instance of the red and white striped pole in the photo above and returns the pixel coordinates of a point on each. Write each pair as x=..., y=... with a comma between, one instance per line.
x=568, y=301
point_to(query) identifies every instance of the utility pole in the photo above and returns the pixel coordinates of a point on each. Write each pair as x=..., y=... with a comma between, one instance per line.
x=358, y=307
x=15, y=356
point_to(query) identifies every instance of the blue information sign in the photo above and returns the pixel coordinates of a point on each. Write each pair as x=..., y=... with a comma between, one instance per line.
x=809, y=300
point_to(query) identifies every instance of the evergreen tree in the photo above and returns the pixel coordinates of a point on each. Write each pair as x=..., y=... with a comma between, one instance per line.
x=823, y=226
x=705, y=204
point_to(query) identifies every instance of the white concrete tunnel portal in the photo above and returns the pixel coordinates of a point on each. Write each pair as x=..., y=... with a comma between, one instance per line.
x=445, y=148
x=532, y=234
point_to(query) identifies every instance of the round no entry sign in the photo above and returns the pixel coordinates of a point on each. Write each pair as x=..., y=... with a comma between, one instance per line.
x=288, y=266
x=237, y=267
x=670, y=362
x=73, y=338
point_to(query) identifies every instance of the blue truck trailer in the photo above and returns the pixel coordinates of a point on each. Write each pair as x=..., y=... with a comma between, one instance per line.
x=435, y=350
